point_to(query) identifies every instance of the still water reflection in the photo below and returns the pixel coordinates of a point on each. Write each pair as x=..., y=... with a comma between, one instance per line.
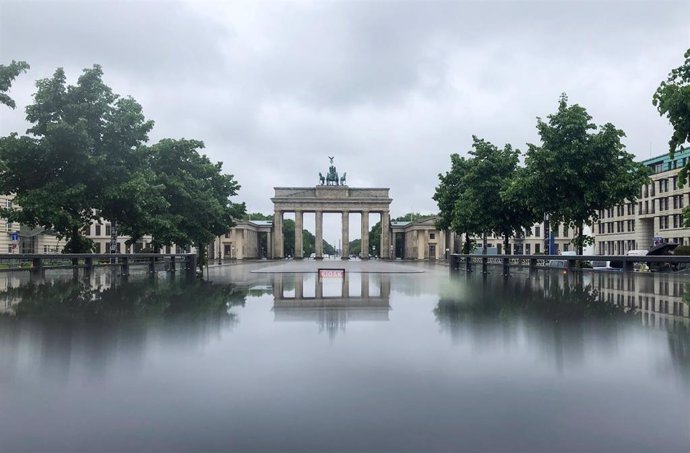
x=354, y=362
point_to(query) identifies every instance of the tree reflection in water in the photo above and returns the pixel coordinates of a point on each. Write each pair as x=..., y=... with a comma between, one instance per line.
x=565, y=314
x=60, y=318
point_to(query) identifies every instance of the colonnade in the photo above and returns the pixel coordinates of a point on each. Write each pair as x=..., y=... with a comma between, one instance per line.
x=278, y=243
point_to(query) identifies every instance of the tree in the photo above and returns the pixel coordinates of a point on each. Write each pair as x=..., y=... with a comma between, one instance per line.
x=195, y=195
x=451, y=188
x=257, y=216
x=7, y=75
x=579, y=169
x=84, y=159
x=490, y=203
x=412, y=216
x=672, y=99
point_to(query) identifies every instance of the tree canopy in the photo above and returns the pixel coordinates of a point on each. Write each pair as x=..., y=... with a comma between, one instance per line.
x=86, y=158
x=672, y=99
x=7, y=75
x=579, y=168
x=480, y=194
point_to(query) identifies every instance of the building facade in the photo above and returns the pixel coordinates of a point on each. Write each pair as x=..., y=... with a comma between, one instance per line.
x=658, y=212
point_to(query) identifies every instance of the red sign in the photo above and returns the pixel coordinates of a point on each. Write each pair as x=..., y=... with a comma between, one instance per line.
x=331, y=273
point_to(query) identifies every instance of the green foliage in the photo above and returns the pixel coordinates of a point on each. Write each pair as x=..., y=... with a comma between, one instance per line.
x=579, y=169
x=308, y=241
x=413, y=216
x=682, y=250
x=83, y=159
x=86, y=159
x=483, y=194
x=451, y=188
x=7, y=74
x=257, y=216
x=672, y=99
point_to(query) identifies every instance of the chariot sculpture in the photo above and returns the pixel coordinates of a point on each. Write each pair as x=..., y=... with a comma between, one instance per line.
x=331, y=178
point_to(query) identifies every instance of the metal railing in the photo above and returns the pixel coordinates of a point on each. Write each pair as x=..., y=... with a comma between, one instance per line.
x=38, y=262
x=569, y=261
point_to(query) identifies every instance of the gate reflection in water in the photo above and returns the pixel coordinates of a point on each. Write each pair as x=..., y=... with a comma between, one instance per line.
x=331, y=301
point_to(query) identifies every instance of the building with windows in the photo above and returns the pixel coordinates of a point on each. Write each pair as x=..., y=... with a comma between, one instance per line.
x=658, y=211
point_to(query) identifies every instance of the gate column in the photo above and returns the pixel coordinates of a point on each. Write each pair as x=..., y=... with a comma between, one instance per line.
x=385, y=235
x=278, y=235
x=319, y=235
x=299, y=226
x=364, y=252
x=345, y=251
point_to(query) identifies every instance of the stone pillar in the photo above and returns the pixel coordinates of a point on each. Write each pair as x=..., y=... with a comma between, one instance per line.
x=364, y=253
x=319, y=235
x=299, y=226
x=385, y=235
x=278, y=235
x=345, y=251
x=269, y=245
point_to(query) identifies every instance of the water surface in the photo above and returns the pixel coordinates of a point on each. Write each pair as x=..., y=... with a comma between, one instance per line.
x=369, y=362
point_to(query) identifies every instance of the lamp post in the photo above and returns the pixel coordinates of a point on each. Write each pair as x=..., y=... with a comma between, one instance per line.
x=232, y=252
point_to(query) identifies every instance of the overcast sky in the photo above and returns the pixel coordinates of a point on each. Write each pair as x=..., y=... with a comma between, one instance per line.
x=390, y=88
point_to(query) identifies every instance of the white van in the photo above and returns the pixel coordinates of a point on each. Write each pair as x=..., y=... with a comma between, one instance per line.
x=607, y=265
x=561, y=264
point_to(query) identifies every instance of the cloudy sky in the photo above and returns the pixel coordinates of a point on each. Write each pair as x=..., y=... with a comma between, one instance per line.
x=390, y=88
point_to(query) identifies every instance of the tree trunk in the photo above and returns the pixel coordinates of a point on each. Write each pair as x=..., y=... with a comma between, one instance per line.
x=581, y=233
x=506, y=244
x=484, y=244
x=74, y=239
x=202, y=256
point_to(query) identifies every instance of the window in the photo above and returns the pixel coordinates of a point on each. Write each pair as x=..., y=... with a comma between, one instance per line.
x=536, y=248
x=98, y=230
x=432, y=235
x=565, y=231
x=537, y=233
x=107, y=232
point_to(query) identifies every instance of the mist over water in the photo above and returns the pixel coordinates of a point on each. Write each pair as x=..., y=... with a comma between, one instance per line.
x=365, y=362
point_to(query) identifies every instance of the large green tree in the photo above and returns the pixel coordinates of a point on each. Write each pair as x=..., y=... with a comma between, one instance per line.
x=489, y=204
x=83, y=160
x=579, y=169
x=195, y=196
x=7, y=75
x=672, y=99
x=452, y=187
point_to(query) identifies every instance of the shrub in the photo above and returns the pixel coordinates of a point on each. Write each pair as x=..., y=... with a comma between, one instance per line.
x=682, y=250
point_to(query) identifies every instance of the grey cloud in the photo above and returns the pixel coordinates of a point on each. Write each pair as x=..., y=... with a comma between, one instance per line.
x=389, y=88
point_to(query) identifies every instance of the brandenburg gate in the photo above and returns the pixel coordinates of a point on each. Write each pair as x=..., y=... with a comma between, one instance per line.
x=331, y=196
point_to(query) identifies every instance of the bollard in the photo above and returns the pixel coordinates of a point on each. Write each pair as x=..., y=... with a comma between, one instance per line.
x=532, y=264
x=37, y=265
x=152, y=265
x=172, y=264
x=468, y=264
x=506, y=267
x=485, y=261
x=88, y=262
